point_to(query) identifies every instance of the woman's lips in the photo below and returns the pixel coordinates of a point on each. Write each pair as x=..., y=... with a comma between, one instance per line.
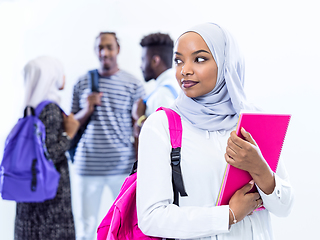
x=188, y=83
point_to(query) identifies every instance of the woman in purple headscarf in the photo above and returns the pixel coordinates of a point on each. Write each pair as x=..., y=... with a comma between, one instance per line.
x=210, y=72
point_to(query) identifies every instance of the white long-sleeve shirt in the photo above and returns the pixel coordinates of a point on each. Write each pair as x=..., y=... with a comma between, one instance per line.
x=202, y=166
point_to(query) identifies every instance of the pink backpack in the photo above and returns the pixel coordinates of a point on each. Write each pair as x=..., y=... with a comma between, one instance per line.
x=121, y=222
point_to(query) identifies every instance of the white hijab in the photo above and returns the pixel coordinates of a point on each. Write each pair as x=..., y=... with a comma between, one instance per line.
x=220, y=108
x=43, y=77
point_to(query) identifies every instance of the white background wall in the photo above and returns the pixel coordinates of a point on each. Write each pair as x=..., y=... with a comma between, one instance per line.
x=280, y=40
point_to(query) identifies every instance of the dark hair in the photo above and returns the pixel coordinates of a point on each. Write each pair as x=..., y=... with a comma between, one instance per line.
x=159, y=44
x=111, y=33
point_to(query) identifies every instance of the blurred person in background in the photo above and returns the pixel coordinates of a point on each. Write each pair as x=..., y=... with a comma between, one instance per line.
x=156, y=63
x=105, y=152
x=51, y=219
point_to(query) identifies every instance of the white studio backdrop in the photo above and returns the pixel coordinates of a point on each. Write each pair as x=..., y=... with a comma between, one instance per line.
x=279, y=38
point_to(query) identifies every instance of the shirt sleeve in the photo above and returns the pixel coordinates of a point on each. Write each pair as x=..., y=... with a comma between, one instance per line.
x=157, y=215
x=139, y=92
x=75, y=107
x=56, y=143
x=280, y=201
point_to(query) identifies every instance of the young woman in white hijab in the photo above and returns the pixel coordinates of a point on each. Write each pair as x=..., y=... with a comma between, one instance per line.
x=51, y=219
x=210, y=72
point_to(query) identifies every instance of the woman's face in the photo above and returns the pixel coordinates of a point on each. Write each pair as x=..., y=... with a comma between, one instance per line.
x=196, y=69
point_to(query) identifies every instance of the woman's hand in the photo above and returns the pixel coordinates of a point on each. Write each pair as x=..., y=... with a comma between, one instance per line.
x=246, y=155
x=71, y=125
x=243, y=203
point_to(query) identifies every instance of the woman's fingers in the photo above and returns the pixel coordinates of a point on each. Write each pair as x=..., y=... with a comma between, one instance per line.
x=247, y=136
x=246, y=188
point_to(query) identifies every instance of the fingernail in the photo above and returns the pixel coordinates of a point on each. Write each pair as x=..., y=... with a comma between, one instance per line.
x=251, y=182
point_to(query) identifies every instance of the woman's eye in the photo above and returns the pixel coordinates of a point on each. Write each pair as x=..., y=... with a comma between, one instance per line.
x=200, y=59
x=177, y=61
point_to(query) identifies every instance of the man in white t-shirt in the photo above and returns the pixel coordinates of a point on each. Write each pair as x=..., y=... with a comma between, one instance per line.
x=156, y=63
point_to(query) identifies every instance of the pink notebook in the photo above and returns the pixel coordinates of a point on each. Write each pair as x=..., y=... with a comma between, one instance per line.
x=269, y=131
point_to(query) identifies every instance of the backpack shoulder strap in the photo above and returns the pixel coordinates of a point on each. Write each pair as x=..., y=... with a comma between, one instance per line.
x=94, y=80
x=175, y=127
x=173, y=91
x=146, y=98
x=175, y=130
x=41, y=105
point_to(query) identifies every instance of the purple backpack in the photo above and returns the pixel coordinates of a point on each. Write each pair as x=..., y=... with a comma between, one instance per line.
x=121, y=221
x=26, y=172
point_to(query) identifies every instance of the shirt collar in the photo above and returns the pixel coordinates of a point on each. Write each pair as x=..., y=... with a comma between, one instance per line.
x=164, y=76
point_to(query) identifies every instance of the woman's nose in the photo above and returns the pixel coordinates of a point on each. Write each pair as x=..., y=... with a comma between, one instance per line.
x=186, y=69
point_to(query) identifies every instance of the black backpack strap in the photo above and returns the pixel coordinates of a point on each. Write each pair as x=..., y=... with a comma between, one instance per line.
x=177, y=181
x=175, y=130
x=29, y=111
x=134, y=168
x=94, y=83
x=94, y=80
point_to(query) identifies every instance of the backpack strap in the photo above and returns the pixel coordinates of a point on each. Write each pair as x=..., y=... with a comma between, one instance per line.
x=94, y=83
x=44, y=103
x=145, y=100
x=172, y=90
x=40, y=107
x=28, y=111
x=175, y=130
